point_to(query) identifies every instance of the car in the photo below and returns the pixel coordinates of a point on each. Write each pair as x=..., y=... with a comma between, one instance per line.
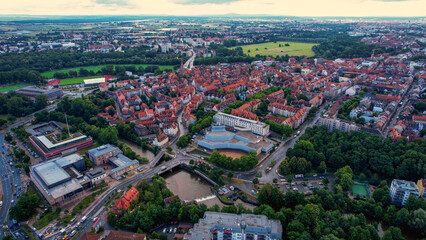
x=174, y=230
x=164, y=230
x=78, y=225
x=167, y=230
x=26, y=237
x=95, y=218
x=12, y=201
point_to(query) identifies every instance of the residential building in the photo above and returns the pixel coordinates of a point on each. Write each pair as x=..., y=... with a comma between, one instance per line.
x=161, y=140
x=217, y=226
x=401, y=190
x=124, y=202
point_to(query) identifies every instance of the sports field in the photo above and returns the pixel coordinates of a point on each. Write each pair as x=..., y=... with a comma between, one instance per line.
x=50, y=74
x=70, y=81
x=360, y=189
x=280, y=49
x=11, y=87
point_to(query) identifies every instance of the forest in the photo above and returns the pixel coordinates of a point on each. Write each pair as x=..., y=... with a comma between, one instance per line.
x=373, y=155
x=28, y=66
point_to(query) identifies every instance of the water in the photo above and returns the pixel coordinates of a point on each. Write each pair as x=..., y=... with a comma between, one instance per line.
x=138, y=149
x=191, y=187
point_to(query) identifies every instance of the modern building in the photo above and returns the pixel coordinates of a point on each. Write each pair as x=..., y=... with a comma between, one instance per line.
x=96, y=176
x=51, y=145
x=109, y=154
x=215, y=226
x=242, y=124
x=220, y=138
x=33, y=91
x=401, y=190
x=60, y=180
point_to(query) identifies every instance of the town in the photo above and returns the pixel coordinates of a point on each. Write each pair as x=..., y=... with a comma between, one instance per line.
x=200, y=129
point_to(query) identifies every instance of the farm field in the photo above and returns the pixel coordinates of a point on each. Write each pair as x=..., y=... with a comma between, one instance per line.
x=279, y=48
x=50, y=74
x=77, y=80
x=11, y=87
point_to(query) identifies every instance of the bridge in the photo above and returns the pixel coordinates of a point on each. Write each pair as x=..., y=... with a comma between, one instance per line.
x=156, y=159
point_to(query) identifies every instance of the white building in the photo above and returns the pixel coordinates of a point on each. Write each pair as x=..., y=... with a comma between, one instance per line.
x=401, y=190
x=242, y=124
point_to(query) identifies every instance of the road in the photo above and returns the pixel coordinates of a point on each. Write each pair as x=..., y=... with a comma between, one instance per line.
x=11, y=179
x=190, y=62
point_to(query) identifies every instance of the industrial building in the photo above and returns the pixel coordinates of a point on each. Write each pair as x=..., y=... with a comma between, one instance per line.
x=242, y=124
x=33, y=91
x=109, y=154
x=401, y=190
x=217, y=226
x=220, y=138
x=60, y=180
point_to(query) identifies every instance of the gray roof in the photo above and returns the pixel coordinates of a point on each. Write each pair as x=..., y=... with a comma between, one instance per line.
x=95, y=173
x=50, y=173
x=102, y=150
x=67, y=160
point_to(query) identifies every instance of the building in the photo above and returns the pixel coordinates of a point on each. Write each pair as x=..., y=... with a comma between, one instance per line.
x=216, y=225
x=96, y=176
x=219, y=138
x=401, y=190
x=124, y=202
x=421, y=185
x=334, y=123
x=110, y=154
x=33, y=91
x=60, y=180
x=161, y=140
x=242, y=124
x=51, y=145
x=100, y=155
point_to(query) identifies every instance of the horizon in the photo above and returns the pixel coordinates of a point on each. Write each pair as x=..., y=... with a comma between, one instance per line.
x=200, y=8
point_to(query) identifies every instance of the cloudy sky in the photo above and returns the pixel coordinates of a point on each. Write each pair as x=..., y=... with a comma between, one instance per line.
x=405, y=8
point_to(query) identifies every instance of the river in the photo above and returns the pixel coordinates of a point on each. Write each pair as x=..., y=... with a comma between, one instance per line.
x=138, y=149
x=192, y=187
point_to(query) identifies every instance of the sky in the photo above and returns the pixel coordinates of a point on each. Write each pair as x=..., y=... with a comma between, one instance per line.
x=352, y=8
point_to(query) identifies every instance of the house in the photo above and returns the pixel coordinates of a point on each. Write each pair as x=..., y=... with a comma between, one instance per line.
x=124, y=202
x=161, y=140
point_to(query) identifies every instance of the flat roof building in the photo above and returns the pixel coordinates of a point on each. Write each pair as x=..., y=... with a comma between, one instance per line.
x=216, y=225
x=220, y=138
x=51, y=146
x=401, y=190
x=33, y=91
x=242, y=124
x=59, y=179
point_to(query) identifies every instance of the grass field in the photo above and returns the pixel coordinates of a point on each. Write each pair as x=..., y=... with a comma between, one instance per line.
x=11, y=87
x=50, y=74
x=76, y=80
x=274, y=49
x=360, y=189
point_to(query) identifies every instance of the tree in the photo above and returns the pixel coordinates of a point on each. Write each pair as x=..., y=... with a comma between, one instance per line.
x=230, y=175
x=393, y=233
x=100, y=229
x=154, y=235
x=418, y=220
x=25, y=207
x=322, y=167
x=255, y=181
x=111, y=111
x=402, y=217
x=325, y=181
x=40, y=101
x=344, y=177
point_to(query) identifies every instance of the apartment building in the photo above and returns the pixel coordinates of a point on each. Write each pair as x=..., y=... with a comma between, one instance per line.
x=242, y=124
x=401, y=190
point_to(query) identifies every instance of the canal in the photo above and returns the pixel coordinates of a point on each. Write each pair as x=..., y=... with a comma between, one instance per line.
x=190, y=187
x=138, y=149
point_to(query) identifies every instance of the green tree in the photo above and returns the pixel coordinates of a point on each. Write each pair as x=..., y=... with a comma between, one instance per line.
x=40, y=101
x=255, y=181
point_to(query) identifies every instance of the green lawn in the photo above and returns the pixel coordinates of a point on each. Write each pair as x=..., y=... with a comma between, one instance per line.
x=274, y=49
x=76, y=80
x=11, y=87
x=50, y=74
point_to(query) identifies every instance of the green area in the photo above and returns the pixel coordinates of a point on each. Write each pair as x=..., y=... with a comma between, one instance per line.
x=46, y=219
x=280, y=49
x=359, y=189
x=50, y=74
x=77, y=80
x=11, y=87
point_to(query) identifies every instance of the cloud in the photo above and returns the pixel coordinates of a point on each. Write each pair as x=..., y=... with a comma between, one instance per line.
x=113, y=2
x=200, y=2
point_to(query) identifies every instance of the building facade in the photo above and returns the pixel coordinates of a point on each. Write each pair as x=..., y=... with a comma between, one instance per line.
x=401, y=190
x=242, y=124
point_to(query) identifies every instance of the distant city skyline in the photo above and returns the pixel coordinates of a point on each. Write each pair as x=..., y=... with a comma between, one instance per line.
x=336, y=8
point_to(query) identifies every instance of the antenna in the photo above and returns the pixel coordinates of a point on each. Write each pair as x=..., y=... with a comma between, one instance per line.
x=68, y=127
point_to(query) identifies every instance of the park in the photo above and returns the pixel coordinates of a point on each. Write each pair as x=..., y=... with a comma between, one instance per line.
x=280, y=48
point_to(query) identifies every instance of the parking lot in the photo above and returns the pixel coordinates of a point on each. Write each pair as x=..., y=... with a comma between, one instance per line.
x=305, y=185
x=169, y=230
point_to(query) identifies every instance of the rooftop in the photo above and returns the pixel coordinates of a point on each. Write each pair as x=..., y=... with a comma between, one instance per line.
x=102, y=150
